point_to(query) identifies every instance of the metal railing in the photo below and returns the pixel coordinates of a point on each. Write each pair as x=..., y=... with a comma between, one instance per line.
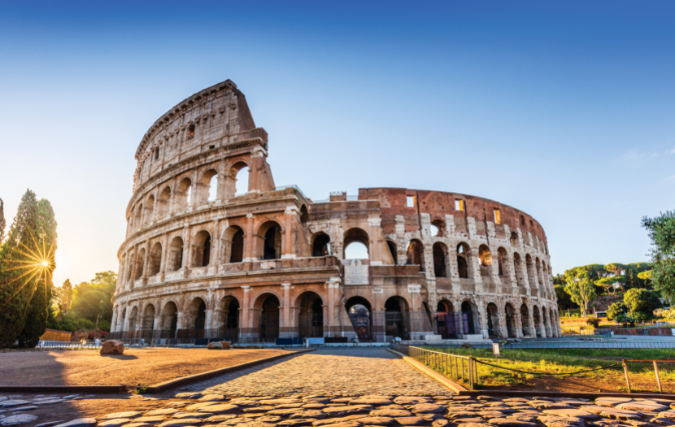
x=450, y=365
x=66, y=345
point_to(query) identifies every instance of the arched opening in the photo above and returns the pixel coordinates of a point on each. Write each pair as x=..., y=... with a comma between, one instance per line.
x=504, y=266
x=202, y=247
x=463, y=260
x=514, y=239
x=149, y=208
x=522, y=221
x=440, y=255
x=485, y=260
x=437, y=228
x=446, y=320
x=195, y=320
x=356, y=243
x=392, y=250
x=229, y=329
x=525, y=320
x=396, y=318
x=237, y=247
x=131, y=261
x=269, y=318
x=537, y=266
x=554, y=322
x=169, y=320
x=321, y=245
x=148, y=323
x=269, y=235
x=138, y=219
x=310, y=316
x=359, y=311
x=468, y=318
x=133, y=319
x=510, y=321
x=493, y=321
x=155, y=259
x=176, y=254
x=241, y=180
x=537, y=321
x=531, y=279
x=304, y=215
x=415, y=254
x=518, y=268
x=208, y=186
x=183, y=194
x=140, y=263
x=164, y=202
x=545, y=321
x=122, y=321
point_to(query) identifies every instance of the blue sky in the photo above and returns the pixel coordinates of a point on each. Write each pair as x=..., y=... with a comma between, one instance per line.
x=564, y=109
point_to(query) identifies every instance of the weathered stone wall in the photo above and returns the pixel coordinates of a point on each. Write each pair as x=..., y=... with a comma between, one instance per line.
x=200, y=261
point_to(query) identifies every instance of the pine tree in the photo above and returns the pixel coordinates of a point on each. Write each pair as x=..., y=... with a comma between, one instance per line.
x=26, y=266
x=2, y=221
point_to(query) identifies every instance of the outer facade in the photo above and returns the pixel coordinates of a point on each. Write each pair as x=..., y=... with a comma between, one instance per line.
x=200, y=261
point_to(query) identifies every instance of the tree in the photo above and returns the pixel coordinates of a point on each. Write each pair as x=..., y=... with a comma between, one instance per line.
x=580, y=288
x=661, y=231
x=564, y=300
x=26, y=266
x=641, y=303
x=608, y=283
x=64, y=296
x=3, y=223
x=615, y=310
x=95, y=298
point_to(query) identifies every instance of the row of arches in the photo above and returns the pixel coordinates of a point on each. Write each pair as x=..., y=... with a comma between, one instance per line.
x=208, y=187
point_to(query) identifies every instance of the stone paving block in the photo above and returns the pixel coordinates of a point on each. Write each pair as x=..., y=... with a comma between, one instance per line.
x=578, y=413
x=410, y=421
x=127, y=414
x=511, y=422
x=643, y=406
x=390, y=413
x=219, y=409
x=15, y=420
x=117, y=422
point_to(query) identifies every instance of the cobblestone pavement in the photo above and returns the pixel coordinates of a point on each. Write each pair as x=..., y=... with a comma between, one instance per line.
x=337, y=388
x=326, y=371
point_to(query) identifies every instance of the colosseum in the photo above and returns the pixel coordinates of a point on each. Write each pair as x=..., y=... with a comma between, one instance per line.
x=215, y=250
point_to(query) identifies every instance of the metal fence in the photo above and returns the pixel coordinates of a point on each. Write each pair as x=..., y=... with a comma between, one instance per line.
x=66, y=345
x=451, y=365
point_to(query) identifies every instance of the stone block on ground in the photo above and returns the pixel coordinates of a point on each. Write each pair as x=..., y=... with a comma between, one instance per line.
x=215, y=345
x=15, y=420
x=112, y=347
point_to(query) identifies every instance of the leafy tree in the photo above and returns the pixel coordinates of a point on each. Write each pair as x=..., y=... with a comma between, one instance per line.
x=641, y=303
x=92, y=299
x=26, y=266
x=564, y=300
x=615, y=268
x=64, y=296
x=661, y=231
x=607, y=283
x=616, y=309
x=580, y=288
x=3, y=223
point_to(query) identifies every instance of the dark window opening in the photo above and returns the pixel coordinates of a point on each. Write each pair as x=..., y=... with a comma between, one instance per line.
x=321, y=245
x=207, y=251
x=237, y=252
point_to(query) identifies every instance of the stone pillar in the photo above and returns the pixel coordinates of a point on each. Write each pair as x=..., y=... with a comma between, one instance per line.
x=194, y=192
x=501, y=315
x=285, y=321
x=157, y=323
x=113, y=321
x=145, y=261
x=245, y=319
x=250, y=241
x=208, y=323
x=287, y=235
x=517, y=320
x=180, y=320
x=333, y=286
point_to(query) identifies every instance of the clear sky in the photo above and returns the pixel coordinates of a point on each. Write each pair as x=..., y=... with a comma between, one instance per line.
x=564, y=109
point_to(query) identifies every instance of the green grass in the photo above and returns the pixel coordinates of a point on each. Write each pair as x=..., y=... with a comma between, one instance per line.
x=561, y=361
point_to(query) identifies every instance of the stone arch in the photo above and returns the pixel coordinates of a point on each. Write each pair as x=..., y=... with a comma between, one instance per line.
x=183, y=194
x=131, y=262
x=234, y=174
x=149, y=209
x=268, y=238
x=195, y=316
x=228, y=318
x=122, y=320
x=138, y=217
x=233, y=244
x=470, y=317
x=510, y=318
x=164, y=202
x=440, y=251
x=140, y=263
x=309, y=306
x=504, y=267
x=514, y=239
x=415, y=254
x=525, y=320
x=356, y=236
x=531, y=276
x=176, y=254
x=438, y=228
x=202, y=249
x=360, y=312
x=321, y=244
x=148, y=323
x=397, y=317
x=446, y=320
x=518, y=267
x=208, y=187
x=169, y=322
x=267, y=305
x=133, y=318
x=464, y=268
x=493, y=323
x=155, y=259
x=536, y=317
x=304, y=215
x=391, y=245
x=485, y=256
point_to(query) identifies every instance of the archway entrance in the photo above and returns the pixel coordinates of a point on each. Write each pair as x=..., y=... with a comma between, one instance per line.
x=493, y=321
x=525, y=320
x=510, y=321
x=446, y=320
x=169, y=320
x=467, y=318
x=359, y=311
x=229, y=329
x=537, y=321
x=269, y=319
x=396, y=318
x=310, y=316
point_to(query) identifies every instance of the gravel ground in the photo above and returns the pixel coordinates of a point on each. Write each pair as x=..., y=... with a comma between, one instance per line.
x=134, y=368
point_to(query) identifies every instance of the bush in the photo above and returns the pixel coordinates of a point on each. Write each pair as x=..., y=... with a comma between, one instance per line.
x=615, y=310
x=593, y=321
x=641, y=302
x=624, y=318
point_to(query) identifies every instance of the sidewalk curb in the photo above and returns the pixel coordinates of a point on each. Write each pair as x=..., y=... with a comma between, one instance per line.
x=460, y=390
x=176, y=382
x=104, y=389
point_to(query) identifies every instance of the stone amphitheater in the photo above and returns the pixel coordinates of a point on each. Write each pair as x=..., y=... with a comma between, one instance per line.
x=214, y=249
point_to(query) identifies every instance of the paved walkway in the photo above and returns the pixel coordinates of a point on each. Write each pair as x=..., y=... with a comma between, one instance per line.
x=328, y=371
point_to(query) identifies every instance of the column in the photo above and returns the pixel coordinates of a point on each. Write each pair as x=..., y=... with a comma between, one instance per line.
x=250, y=242
x=517, y=320
x=287, y=235
x=333, y=285
x=286, y=312
x=208, y=323
x=245, y=320
x=113, y=320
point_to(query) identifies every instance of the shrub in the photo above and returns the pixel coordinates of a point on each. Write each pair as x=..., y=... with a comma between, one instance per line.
x=624, y=318
x=615, y=310
x=593, y=321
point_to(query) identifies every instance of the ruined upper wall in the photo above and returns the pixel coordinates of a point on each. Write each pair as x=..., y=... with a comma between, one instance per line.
x=394, y=201
x=199, y=122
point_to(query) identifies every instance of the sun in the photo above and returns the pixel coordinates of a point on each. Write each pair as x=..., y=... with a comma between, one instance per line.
x=45, y=263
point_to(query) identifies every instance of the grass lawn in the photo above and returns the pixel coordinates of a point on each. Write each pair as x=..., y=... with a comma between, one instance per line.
x=569, y=361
